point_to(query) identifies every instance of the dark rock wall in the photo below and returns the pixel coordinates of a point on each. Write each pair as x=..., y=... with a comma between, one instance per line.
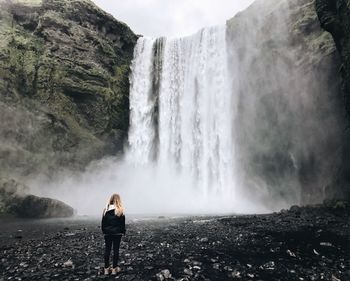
x=64, y=67
x=334, y=16
x=290, y=118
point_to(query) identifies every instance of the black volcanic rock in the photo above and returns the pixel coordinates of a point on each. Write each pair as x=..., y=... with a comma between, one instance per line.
x=311, y=245
x=30, y=206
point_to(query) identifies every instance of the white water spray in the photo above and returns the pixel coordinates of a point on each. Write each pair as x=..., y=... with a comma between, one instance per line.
x=182, y=115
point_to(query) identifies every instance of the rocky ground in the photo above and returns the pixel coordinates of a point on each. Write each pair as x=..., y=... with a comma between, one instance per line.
x=301, y=244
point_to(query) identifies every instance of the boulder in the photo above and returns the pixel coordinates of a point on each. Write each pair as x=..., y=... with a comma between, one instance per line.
x=15, y=200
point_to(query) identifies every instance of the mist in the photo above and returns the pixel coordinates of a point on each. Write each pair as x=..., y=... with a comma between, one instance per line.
x=145, y=190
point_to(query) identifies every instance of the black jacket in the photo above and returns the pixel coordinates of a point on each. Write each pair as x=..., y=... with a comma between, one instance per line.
x=112, y=224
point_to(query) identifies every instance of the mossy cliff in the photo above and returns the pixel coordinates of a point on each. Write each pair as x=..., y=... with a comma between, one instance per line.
x=64, y=67
x=334, y=16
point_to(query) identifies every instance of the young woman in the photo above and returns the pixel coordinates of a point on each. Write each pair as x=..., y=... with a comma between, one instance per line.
x=113, y=227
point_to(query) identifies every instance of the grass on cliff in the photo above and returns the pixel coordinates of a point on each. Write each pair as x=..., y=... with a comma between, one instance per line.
x=28, y=2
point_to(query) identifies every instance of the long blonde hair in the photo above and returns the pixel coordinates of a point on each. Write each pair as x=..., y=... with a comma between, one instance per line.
x=118, y=205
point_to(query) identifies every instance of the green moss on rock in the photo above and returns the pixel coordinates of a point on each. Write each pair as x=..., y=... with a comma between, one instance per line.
x=64, y=69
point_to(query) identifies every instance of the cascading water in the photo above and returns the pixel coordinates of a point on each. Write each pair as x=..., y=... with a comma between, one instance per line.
x=182, y=110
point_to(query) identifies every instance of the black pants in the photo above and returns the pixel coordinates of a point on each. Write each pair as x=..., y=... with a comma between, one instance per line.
x=109, y=241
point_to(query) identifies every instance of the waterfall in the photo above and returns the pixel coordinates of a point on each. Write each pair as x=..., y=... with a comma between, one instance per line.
x=182, y=109
x=240, y=118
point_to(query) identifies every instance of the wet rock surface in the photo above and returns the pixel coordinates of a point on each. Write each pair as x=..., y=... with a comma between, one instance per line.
x=302, y=244
x=334, y=17
x=272, y=149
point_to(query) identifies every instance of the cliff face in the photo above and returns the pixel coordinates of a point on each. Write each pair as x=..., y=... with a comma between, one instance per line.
x=64, y=86
x=290, y=113
x=334, y=16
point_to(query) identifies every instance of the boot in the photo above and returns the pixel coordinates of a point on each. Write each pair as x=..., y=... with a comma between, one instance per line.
x=116, y=270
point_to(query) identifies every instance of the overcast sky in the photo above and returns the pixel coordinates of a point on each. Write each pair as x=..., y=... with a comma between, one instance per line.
x=172, y=18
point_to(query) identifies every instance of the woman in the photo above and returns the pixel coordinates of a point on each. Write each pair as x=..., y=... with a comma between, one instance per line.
x=113, y=227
